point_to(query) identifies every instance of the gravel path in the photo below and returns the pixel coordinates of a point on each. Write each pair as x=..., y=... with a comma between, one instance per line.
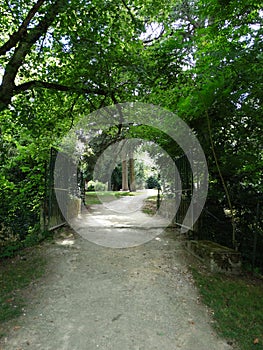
x=120, y=223
x=95, y=297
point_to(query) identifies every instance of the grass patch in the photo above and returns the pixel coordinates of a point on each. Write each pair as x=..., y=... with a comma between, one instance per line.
x=106, y=196
x=237, y=304
x=150, y=206
x=15, y=275
x=123, y=194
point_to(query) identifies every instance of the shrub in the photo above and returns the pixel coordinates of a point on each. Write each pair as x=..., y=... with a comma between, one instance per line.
x=152, y=182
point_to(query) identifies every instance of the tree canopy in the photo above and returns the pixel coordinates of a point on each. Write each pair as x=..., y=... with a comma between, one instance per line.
x=62, y=59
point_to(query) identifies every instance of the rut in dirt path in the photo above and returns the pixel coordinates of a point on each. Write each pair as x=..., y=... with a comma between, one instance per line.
x=95, y=297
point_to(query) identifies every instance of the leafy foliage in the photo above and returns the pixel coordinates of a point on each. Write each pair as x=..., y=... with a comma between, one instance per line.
x=209, y=70
x=62, y=59
x=152, y=182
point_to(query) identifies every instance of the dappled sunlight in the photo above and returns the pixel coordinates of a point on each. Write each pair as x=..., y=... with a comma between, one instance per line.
x=66, y=242
x=113, y=226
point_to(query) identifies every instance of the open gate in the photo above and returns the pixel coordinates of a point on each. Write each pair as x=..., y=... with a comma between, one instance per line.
x=185, y=189
x=52, y=214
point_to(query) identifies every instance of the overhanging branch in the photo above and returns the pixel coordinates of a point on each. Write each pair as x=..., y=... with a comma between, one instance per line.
x=25, y=43
x=58, y=87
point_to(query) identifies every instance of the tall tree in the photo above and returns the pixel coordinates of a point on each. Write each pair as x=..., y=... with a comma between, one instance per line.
x=208, y=66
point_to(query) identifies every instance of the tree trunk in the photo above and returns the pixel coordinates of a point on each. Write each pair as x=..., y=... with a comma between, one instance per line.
x=23, y=41
x=125, y=186
x=131, y=173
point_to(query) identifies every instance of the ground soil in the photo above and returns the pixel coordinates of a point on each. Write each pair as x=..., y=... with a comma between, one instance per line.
x=96, y=297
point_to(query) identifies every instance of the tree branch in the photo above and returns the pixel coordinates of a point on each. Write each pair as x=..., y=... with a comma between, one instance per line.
x=149, y=41
x=58, y=87
x=118, y=106
x=31, y=37
x=129, y=11
x=25, y=44
x=22, y=30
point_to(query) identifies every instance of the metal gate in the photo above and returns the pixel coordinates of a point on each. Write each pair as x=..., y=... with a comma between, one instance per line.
x=186, y=190
x=52, y=214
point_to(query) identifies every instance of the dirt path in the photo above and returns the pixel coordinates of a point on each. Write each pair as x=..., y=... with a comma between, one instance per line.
x=95, y=297
x=120, y=223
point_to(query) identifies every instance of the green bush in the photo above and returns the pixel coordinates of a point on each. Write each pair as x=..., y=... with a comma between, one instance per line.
x=96, y=186
x=152, y=182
